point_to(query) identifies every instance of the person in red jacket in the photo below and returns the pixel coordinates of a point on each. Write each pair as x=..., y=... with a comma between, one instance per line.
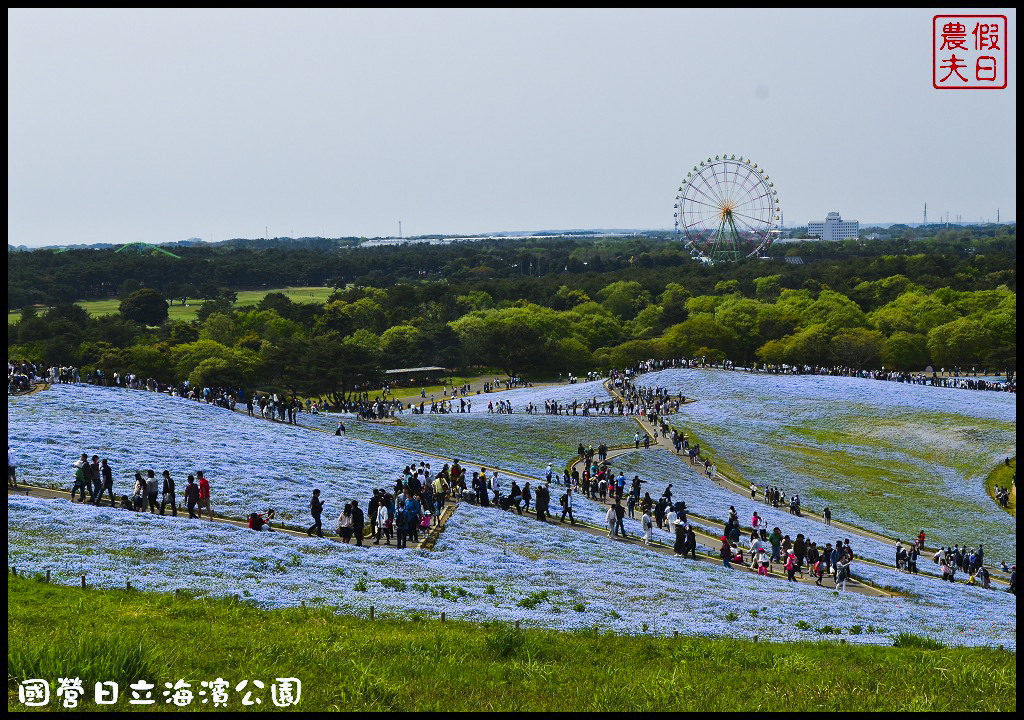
x=204, y=495
x=920, y=540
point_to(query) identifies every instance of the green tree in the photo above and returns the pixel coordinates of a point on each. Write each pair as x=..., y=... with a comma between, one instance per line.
x=144, y=306
x=905, y=351
x=858, y=348
x=960, y=343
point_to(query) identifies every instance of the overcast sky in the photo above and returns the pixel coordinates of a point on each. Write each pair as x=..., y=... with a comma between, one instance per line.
x=164, y=125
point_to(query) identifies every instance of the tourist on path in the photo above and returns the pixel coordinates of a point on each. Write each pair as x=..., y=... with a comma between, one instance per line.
x=204, y=495
x=168, y=495
x=316, y=508
x=191, y=497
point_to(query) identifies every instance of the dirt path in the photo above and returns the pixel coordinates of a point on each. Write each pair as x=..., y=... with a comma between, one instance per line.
x=427, y=538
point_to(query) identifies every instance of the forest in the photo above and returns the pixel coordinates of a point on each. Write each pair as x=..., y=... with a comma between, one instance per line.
x=533, y=307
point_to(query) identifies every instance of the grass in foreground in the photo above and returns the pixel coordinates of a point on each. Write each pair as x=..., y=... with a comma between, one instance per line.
x=1002, y=475
x=348, y=663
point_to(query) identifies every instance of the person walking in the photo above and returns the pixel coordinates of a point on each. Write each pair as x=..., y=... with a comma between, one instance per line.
x=316, y=508
x=358, y=519
x=82, y=478
x=12, y=467
x=828, y=515
x=191, y=497
x=609, y=520
x=152, y=490
x=725, y=552
x=96, y=491
x=567, y=506
x=541, y=502
x=108, y=482
x=790, y=566
x=648, y=526
x=204, y=495
x=168, y=495
x=382, y=526
x=619, y=513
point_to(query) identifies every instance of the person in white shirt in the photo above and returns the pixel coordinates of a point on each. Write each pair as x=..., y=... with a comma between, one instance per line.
x=610, y=519
x=648, y=526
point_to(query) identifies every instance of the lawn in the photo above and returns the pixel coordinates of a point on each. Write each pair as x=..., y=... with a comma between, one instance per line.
x=177, y=311
x=352, y=663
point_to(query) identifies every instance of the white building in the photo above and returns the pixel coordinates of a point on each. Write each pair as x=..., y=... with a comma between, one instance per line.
x=834, y=228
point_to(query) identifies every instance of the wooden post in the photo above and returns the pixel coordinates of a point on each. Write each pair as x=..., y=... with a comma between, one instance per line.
x=303, y=603
x=442, y=617
x=128, y=585
x=675, y=633
x=371, y=612
x=517, y=624
x=47, y=574
x=83, y=582
x=14, y=571
x=236, y=598
x=177, y=592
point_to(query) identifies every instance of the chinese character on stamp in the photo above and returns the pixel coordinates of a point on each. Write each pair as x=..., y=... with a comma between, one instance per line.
x=969, y=52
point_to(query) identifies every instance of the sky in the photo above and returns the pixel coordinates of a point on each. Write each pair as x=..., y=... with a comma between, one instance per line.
x=162, y=125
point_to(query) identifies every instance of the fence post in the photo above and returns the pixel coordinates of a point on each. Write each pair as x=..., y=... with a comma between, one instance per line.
x=303, y=603
x=47, y=574
x=83, y=582
x=236, y=598
x=371, y=612
x=128, y=585
x=442, y=617
x=675, y=633
x=14, y=571
x=517, y=624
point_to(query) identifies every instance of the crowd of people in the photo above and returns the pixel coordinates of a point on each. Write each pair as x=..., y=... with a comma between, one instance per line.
x=149, y=493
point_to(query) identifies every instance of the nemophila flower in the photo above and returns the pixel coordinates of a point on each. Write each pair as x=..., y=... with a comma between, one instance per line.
x=891, y=457
x=539, y=572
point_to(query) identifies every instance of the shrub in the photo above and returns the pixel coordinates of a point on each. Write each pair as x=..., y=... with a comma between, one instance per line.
x=829, y=630
x=361, y=585
x=534, y=599
x=803, y=625
x=731, y=617
x=856, y=630
x=581, y=607
x=489, y=590
x=394, y=584
x=910, y=640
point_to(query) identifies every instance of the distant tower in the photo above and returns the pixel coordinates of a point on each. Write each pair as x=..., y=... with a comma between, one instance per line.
x=997, y=216
x=925, y=214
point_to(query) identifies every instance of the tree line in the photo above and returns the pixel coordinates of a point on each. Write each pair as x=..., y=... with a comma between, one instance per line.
x=519, y=307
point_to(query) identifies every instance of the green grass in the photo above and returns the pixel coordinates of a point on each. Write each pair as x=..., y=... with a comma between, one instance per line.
x=177, y=311
x=1002, y=475
x=352, y=664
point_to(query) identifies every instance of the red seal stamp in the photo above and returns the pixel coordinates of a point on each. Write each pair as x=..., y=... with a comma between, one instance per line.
x=969, y=52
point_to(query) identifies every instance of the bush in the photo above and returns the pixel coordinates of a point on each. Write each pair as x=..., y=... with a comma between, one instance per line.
x=534, y=599
x=856, y=630
x=361, y=585
x=731, y=617
x=910, y=640
x=579, y=607
x=489, y=590
x=803, y=625
x=829, y=630
x=394, y=584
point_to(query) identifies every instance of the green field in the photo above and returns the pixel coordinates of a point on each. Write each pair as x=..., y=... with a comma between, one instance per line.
x=348, y=664
x=177, y=311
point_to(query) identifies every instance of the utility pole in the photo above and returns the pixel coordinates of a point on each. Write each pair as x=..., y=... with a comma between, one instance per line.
x=925, y=214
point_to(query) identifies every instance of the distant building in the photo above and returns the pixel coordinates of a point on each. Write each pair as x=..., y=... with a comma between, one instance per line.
x=834, y=228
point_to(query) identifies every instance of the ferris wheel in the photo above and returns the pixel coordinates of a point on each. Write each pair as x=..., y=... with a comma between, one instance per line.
x=728, y=209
